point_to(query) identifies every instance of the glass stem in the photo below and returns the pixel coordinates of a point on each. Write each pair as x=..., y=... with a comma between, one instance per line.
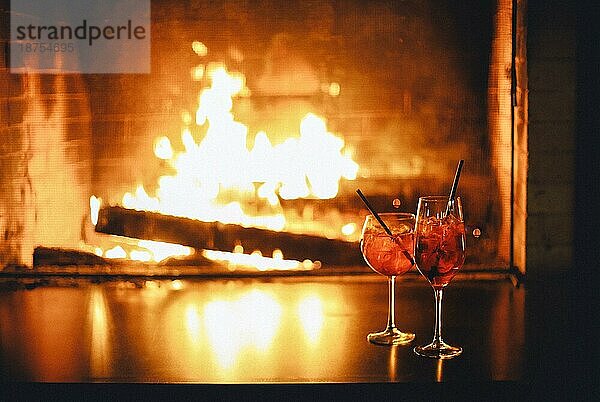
x=437, y=331
x=391, y=311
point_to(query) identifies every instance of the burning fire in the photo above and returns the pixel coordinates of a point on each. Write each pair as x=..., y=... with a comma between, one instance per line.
x=220, y=163
x=216, y=174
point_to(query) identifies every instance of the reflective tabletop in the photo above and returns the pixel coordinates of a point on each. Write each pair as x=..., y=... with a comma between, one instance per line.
x=256, y=330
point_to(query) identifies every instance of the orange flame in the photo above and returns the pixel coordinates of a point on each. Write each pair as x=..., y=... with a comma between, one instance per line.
x=219, y=167
x=309, y=166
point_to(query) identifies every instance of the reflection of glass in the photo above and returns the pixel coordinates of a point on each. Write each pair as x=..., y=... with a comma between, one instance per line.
x=100, y=340
x=439, y=253
x=389, y=256
x=439, y=370
x=393, y=364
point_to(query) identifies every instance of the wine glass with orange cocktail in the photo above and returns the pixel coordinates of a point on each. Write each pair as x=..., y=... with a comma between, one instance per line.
x=387, y=243
x=439, y=254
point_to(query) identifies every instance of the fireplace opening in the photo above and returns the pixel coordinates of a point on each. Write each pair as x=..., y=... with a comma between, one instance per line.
x=245, y=144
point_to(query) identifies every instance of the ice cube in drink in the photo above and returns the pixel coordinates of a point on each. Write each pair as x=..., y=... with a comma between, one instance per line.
x=440, y=249
x=390, y=256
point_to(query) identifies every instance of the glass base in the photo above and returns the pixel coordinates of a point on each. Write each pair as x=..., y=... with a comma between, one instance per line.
x=438, y=350
x=391, y=336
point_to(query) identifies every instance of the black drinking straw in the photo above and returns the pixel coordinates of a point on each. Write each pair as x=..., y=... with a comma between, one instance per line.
x=375, y=214
x=454, y=185
x=383, y=225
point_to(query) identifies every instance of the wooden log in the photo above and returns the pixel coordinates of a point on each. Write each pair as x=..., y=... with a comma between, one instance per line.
x=44, y=256
x=218, y=236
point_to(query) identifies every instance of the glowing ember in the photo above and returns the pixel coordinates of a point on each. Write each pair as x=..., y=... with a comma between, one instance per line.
x=256, y=260
x=115, y=252
x=349, y=229
x=138, y=250
x=197, y=73
x=199, y=48
x=95, y=208
x=334, y=89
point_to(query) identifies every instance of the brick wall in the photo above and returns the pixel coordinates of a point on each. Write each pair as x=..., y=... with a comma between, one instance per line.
x=545, y=133
x=13, y=183
x=521, y=145
x=45, y=159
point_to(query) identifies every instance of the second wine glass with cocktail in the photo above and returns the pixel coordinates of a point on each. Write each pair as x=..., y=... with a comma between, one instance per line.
x=389, y=252
x=439, y=254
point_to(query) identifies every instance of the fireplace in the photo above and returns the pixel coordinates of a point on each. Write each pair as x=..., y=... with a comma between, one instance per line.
x=256, y=126
x=98, y=287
